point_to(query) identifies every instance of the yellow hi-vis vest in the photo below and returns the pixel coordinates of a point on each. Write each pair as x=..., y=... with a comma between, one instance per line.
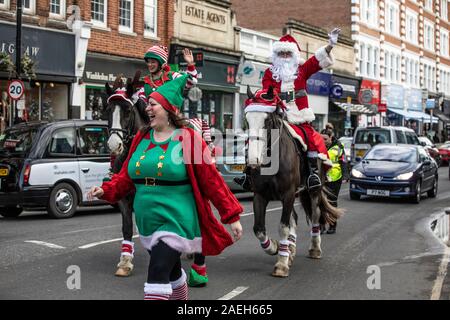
x=335, y=154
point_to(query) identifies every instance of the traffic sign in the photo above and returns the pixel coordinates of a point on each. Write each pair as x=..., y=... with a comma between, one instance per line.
x=16, y=89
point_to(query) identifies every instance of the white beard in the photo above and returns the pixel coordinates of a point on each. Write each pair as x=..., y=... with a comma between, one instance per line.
x=284, y=69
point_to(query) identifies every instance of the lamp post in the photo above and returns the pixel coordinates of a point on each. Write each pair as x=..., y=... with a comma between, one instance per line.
x=18, y=50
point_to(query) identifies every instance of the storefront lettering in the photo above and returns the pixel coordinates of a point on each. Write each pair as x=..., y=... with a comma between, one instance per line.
x=100, y=76
x=194, y=12
x=216, y=18
x=11, y=48
x=200, y=14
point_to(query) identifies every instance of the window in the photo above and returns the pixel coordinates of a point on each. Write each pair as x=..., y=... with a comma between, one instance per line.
x=429, y=36
x=93, y=140
x=57, y=8
x=429, y=5
x=429, y=77
x=99, y=12
x=368, y=64
x=411, y=27
x=126, y=15
x=150, y=18
x=412, y=70
x=369, y=12
x=444, y=43
x=392, y=18
x=29, y=6
x=63, y=142
x=444, y=10
x=4, y=4
x=400, y=136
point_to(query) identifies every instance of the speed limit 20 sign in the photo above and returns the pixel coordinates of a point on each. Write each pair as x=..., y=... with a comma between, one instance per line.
x=16, y=89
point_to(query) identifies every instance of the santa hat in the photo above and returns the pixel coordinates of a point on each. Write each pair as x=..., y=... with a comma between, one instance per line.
x=170, y=94
x=157, y=52
x=287, y=43
x=120, y=94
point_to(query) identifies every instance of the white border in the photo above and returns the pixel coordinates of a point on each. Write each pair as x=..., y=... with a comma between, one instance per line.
x=62, y=14
x=30, y=10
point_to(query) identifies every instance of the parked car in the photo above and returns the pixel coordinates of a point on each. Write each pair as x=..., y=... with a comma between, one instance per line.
x=230, y=158
x=52, y=166
x=431, y=149
x=444, y=151
x=347, y=143
x=367, y=137
x=395, y=170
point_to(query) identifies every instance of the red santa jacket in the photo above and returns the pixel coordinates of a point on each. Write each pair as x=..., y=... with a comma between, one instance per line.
x=207, y=185
x=320, y=60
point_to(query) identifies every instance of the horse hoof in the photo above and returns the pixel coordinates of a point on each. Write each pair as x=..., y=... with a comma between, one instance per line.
x=315, y=254
x=280, y=271
x=123, y=272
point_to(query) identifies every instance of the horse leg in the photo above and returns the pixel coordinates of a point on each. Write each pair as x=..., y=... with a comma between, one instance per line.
x=125, y=265
x=315, y=251
x=269, y=246
x=292, y=238
x=281, y=268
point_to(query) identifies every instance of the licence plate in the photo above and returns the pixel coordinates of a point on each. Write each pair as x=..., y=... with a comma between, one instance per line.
x=4, y=172
x=237, y=167
x=381, y=193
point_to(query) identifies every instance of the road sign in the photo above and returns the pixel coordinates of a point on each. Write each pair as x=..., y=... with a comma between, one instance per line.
x=336, y=91
x=16, y=89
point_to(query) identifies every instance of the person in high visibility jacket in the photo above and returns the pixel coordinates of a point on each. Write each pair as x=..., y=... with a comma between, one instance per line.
x=334, y=174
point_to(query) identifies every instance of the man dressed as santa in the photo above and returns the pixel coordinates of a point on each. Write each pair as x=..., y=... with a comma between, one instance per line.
x=288, y=75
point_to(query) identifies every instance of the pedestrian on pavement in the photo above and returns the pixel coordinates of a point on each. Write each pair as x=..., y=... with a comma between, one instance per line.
x=288, y=76
x=334, y=175
x=170, y=169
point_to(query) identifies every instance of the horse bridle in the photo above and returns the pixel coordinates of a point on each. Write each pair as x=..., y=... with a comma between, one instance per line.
x=128, y=134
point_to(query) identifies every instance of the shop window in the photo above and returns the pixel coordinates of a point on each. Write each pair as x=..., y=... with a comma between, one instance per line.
x=54, y=101
x=29, y=105
x=96, y=105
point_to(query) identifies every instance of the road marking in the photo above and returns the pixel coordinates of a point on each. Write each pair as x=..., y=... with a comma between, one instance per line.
x=268, y=210
x=233, y=293
x=47, y=244
x=91, y=229
x=90, y=245
x=437, y=288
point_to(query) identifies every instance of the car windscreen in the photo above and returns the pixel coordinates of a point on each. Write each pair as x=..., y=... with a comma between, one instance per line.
x=17, y=141
x=347, y=143
x=373, y=137
x=426, y=140
x=397, y=154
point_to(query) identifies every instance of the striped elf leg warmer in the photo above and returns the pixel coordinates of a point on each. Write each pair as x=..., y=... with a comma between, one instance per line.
x=179, y=288
x=127, y=248
x=157, y=291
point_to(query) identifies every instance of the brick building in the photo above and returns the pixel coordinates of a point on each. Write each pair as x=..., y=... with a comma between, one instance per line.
x=77, y=46
x=404, y=44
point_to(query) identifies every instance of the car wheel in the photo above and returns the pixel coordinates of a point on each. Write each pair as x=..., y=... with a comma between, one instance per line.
x=433, y=192
x=10, y=212
x=63, y=201
x=417, y=196
x=355, y=196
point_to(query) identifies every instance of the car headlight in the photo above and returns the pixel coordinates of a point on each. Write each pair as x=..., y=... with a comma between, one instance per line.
x=404, y=176
x=357, y=174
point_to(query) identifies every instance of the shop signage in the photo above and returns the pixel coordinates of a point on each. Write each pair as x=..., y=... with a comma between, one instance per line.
x=103, y=69
x=394, y=95
x=319, y=84
x=430, y=103
x=369, y=92
x=414, y=99
x=336, y=91
x=204, y=16
x=350, y=86
x=382, y=107
x=253, y=73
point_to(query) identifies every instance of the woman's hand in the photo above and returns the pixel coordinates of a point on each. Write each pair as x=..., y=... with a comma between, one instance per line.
x=96, y=192
x=236, y=228
x=188, y=57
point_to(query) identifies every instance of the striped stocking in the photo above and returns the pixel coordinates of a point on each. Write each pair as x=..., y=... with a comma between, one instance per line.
x=179, y=288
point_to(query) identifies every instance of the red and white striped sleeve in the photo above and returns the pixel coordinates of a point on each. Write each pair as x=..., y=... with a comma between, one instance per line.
x=191, y=81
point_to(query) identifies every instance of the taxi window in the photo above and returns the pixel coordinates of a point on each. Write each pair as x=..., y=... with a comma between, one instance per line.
x=400, y=136
x=411, y=138
x=93, y=140
x=373, y=137
x=63, y=142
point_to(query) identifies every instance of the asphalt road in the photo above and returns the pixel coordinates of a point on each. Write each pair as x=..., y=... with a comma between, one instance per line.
x=376, y=237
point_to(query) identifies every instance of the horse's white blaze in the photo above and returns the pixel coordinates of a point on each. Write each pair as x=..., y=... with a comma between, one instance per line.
x=256, y=129
x=114, y=142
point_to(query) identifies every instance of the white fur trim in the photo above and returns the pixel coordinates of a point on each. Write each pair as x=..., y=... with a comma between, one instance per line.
x=295, y=135
x=158, y=288
x=259, y=108
x=279, y=46
x=180, y=281
x=325, y=59
x=173, y=240
x=325, y=159
x=121, y=97
x=296, y=116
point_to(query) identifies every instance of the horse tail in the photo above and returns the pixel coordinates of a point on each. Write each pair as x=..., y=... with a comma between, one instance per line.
x=328, y=213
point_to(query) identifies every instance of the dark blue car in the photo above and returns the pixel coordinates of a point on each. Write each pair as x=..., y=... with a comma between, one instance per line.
x=395, y=170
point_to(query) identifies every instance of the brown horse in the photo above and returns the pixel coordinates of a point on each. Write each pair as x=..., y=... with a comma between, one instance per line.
x=279, y=178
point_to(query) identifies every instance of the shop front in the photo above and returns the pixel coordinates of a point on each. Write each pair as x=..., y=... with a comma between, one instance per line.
x=344, y=108
x=99, y=70
x=214, y=97
x=318, y=88
x=394, y=95
x=47, y=95
x=370, y=97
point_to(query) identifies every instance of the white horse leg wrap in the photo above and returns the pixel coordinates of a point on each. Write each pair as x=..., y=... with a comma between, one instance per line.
x=127, y=248
x=283, y=249
x=315, y=231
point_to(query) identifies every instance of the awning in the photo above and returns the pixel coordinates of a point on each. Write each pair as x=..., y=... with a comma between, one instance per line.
x=438, y=113
x=355, y=108
x=414, y=115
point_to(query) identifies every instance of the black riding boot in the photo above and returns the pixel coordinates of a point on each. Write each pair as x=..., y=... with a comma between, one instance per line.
x=244, y=181
x=332, y=228
x=313, y=182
